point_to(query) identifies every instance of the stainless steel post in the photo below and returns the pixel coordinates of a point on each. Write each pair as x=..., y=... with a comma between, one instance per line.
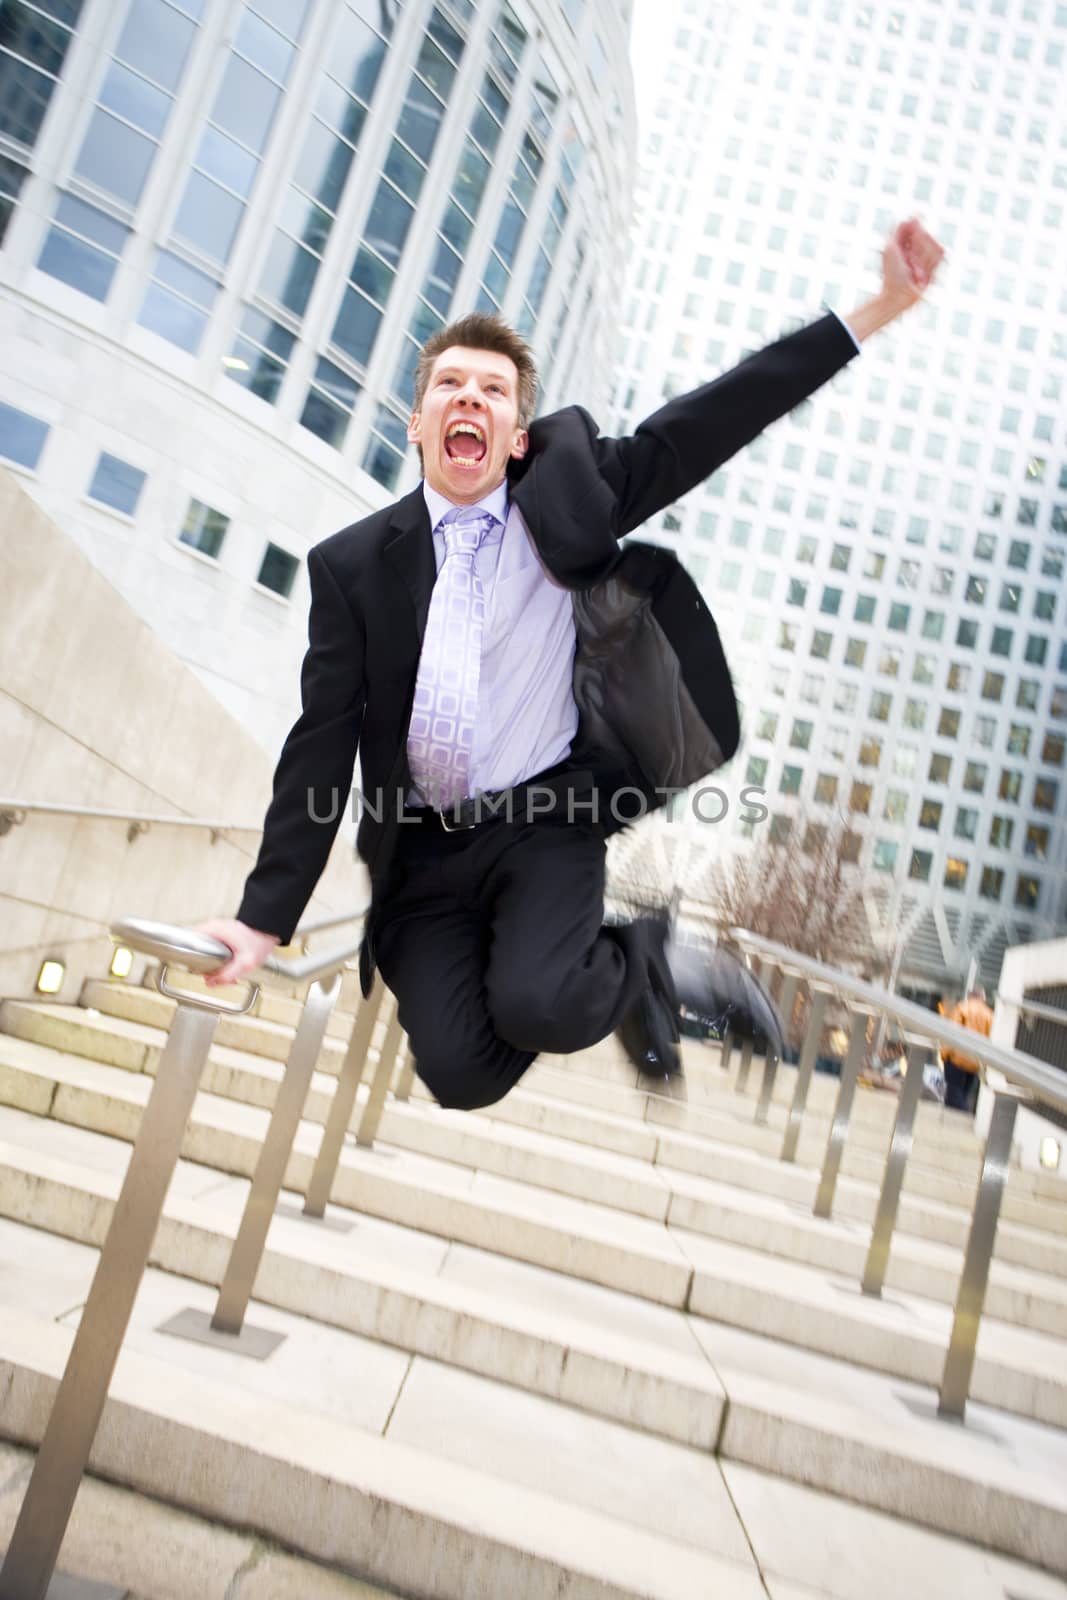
x=344, y=1099
x=372, y=1111
x=727, y=1049
x=770, y=1067
x=892, y=1181
x=819, y=998
x=857, y=1045
x=247, y=1250
x=406, y=1075
x=68, y=1438
x=959, y=1363
x=745, y=1065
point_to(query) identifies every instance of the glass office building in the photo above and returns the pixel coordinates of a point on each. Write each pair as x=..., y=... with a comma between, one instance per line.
x=887, y=565
x=225, y=229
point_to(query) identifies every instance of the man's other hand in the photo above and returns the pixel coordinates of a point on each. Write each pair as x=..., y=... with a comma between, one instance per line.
x=250, y=948
x=909, y=262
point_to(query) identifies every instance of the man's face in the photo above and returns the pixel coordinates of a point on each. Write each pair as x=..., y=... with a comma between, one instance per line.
x=469, y=423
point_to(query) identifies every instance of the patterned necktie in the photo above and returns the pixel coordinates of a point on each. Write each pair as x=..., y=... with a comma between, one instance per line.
x=441, y=732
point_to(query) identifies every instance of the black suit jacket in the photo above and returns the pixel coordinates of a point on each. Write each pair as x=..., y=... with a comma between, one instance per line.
x=656, y=706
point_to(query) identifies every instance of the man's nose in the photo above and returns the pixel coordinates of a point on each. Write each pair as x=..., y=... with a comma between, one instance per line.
x=470, y=396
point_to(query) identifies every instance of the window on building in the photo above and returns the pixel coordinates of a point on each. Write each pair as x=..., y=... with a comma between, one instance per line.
x=1027, y=891
x=966, y=822
x=1018, y=739
x=930, y=814
x=940, y=768
x=948, y=723
x=1045, y=794
x=992, y=883
x=826, y=788
x=800, y=736
x=881, y=705
x=870, y=753
x=831, y=601
x=855, y=652
x=967, y=633
x=22, y=437
x=992, y=686
x=915, y=714
x=1036, y=842
x=864, y=608
x=820, y=644
x=204, y=528
x=955, y=872
x=1010, y=785
x=116, y=484
x=920, y=864
x=884, y=855
x=1052, y=749
x=1036, y=649
x=278, y=570
x=1000, y=832
x=859, y=798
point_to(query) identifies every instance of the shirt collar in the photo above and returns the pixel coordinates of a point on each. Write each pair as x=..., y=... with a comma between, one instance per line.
x=495, y=504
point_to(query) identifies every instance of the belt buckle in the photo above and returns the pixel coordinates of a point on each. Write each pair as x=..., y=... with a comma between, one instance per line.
x=456, y=827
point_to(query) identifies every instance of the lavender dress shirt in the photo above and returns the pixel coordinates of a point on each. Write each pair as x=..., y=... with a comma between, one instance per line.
x=527, y=717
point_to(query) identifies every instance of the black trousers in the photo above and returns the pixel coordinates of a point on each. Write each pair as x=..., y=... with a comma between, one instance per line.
x=961, y=1088
x=492, y=941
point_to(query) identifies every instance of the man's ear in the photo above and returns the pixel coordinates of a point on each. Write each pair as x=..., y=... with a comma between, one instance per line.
x=520, y=444
x=413, y=427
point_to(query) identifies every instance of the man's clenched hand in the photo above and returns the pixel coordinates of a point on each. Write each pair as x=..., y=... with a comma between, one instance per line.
x=909, y=261
x=250, y=948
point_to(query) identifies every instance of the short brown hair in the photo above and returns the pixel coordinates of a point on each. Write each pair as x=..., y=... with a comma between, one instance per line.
x=481, y=330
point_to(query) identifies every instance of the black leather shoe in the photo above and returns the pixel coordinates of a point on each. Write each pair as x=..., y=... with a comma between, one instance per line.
x=645, y=1035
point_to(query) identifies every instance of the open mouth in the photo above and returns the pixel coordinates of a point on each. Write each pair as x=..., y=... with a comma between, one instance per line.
x=465, y=444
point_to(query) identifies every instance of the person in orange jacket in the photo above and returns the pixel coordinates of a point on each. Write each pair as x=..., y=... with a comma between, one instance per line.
x=961, y=1071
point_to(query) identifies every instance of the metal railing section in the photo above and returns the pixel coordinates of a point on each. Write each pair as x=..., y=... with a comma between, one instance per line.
x=1013, y=1076
x=61, y=1461
x=13, y=813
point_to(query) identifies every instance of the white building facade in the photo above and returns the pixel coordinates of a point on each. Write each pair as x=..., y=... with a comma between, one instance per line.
x=887, y=565
x=226, y=227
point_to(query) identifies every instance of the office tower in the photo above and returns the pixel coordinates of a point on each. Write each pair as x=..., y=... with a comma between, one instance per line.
x=226, y=228
x=886, y=565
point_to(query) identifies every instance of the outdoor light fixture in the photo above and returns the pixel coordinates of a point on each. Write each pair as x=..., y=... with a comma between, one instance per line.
x=50, y=978
x=1049, y=1153
x=121, y=962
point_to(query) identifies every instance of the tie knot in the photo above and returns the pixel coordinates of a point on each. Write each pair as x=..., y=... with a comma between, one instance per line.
x=464, y=528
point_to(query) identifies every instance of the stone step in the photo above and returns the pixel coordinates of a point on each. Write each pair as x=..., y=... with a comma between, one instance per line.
x=375, y=1507
x=865, y=1437
x=768, y=1206
x=133, y=1544
x=626, y=1253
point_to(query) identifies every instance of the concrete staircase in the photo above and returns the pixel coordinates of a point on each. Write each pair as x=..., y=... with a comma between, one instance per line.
x=590, y=1342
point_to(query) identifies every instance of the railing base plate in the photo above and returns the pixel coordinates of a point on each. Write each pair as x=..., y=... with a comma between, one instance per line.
x=256, y=1343
x=289, y=1208
x=927, y=1409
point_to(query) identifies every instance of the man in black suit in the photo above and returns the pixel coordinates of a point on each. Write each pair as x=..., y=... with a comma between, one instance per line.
x=485, y=635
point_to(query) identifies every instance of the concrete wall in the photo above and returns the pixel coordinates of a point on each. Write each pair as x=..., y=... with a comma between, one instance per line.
x=1026, y=966
x=96, y=711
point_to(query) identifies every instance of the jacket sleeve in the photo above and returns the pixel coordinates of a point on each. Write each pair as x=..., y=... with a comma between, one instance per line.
x=692, y=435
x=313, y=779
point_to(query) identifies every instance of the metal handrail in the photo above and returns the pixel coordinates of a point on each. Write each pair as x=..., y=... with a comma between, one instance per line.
x=1032, y=1008
x=1020, y=1078
x=1023, y=1071
x=63, y=1455
x=15, y=812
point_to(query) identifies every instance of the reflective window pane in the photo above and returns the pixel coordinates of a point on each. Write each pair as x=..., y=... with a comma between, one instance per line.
x=208, y=217
x=245, y=103
x=289, y=273
x=221, y=158
x=357, y=55
x=278, y=570
x=116, y=484
x=288, y=15
x=24, y=97
x=12, y=177
x=324, y=165
x=204, y=528
x=404, y=170
x=356, y=327
x=22, y=437
x=436, y=68
x=471, y=178
x=372, y=276
x=264, y=46
x=420, y=118
x=80, y=262
x=134, y=99
x=156, y=41
x=327, y=409
x=444, y=275
x=388, y=223
x=67, y=11
x=115, y=158
x=305, y=221
x=27, y=34
x=173, y=319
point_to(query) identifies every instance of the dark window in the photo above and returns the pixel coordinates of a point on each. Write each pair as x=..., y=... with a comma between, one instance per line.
x=278, y=570
x=204, y=528
x=116, y=484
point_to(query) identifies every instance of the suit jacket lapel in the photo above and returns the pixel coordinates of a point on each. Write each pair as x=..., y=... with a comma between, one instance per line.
x=409, y=549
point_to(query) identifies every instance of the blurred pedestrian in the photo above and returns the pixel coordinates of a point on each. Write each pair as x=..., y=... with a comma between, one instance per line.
x=961, y=1071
